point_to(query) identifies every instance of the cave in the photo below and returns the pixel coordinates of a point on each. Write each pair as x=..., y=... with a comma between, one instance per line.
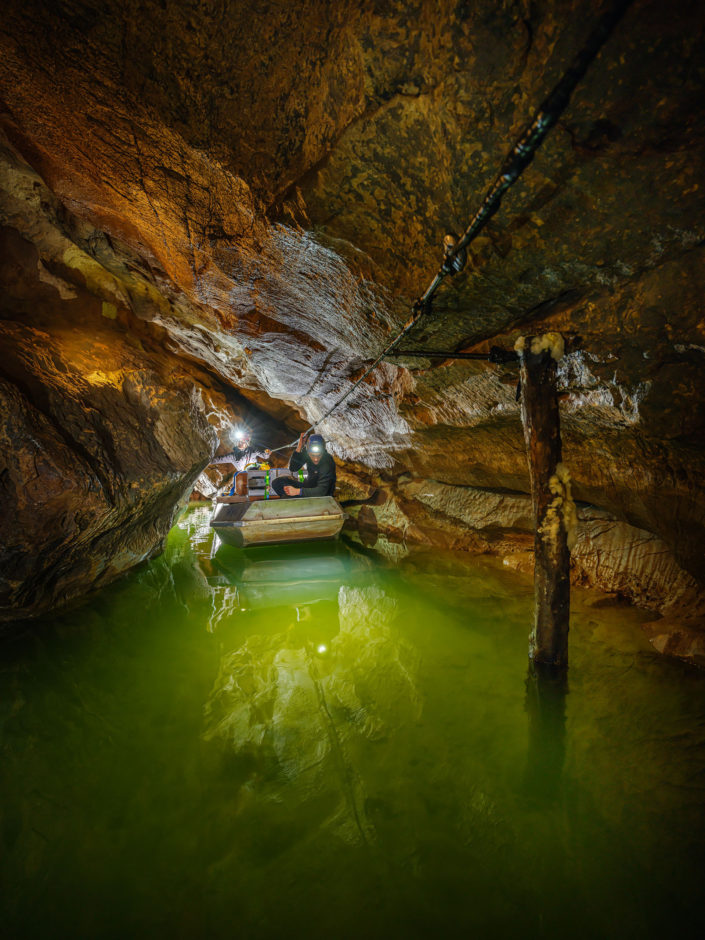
x=216, y=215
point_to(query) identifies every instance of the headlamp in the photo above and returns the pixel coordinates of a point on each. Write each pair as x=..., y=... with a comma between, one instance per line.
x=316, y=449
x=241, y=435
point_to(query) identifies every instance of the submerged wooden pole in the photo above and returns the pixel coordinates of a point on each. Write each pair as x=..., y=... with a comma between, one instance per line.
x=554, y=510
x=546, y=706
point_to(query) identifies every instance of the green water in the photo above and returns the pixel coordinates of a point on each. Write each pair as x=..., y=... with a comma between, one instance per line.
x=312, y=742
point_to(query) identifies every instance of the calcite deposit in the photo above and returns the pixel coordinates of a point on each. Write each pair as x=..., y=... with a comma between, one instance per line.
x=208, y=210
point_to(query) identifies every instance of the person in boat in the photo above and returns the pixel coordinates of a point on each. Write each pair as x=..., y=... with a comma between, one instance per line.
x=244, y=453
x=320, y=468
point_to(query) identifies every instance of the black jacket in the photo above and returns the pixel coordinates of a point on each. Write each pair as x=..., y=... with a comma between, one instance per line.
x=321, y=477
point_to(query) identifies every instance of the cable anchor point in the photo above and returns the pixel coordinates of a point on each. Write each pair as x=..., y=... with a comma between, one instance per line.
x=453, y=260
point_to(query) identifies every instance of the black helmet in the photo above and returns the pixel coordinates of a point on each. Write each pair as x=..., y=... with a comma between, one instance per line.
x=316, y=444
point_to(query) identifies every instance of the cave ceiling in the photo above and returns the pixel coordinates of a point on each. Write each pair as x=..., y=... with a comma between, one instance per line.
x=260, y=191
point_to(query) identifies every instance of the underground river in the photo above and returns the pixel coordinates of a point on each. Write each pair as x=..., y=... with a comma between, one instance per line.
x=316, y=741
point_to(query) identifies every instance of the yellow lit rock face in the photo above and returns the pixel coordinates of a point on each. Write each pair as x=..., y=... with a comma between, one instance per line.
x=196, y=201
x=102, y=434
x=95, y=463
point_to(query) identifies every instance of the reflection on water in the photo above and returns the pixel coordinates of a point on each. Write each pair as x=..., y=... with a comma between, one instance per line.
x=546, y=692
x=294, y=705
x=306, y=741
x=280, y=579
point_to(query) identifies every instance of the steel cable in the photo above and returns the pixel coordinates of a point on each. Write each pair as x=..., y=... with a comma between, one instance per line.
x=519, y=157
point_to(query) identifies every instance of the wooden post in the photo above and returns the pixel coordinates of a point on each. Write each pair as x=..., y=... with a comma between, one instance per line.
x=552, y=502
x=546, y=706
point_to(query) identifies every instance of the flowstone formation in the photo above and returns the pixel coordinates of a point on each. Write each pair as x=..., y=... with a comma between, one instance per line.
x=247, y=201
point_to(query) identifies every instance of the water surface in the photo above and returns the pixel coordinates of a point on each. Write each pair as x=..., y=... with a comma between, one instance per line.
x=311, y=741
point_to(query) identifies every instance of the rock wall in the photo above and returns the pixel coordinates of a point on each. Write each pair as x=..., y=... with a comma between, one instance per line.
x=609, y=554
x=211, y=203
x=100, y=445
x=103, y=428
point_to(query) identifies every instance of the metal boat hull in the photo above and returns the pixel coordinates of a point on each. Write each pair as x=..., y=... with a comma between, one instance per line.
x=241, y=522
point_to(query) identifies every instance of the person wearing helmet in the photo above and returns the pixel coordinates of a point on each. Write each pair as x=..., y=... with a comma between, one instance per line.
x=320, y=468
x=243, y=453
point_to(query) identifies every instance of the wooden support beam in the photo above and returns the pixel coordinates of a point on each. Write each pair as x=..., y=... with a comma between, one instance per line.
x=554, y=510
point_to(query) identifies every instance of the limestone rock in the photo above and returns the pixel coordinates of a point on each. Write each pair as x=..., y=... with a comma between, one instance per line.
x=99, y=448
x=609, y=554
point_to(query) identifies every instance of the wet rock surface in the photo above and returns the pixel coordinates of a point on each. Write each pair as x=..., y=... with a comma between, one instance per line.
x=202, y=201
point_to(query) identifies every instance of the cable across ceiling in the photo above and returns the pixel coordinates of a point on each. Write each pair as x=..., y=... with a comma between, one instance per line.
x=518, y=158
